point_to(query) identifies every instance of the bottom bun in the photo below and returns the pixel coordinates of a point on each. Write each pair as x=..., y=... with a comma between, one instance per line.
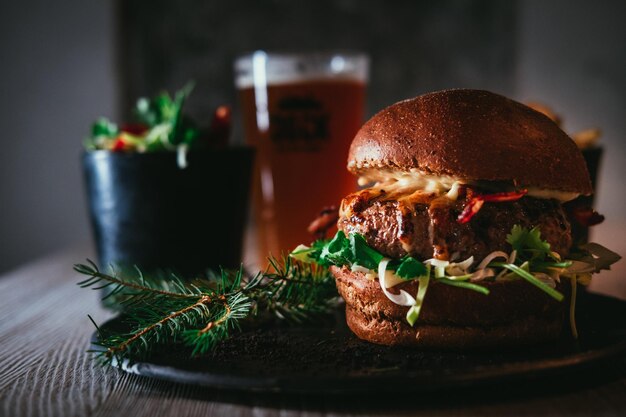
x=514, y=313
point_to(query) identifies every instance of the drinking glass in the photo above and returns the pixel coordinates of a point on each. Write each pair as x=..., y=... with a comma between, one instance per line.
x=300, y=111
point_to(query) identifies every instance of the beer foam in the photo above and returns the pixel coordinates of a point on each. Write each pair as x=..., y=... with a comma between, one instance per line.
x=261, y=68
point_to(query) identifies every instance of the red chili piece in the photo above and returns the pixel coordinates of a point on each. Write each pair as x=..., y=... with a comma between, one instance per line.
x=220, y=126
x=501, y=197
x=118, y=145
x=327, y=218
x=476, y=201
x=471, y=208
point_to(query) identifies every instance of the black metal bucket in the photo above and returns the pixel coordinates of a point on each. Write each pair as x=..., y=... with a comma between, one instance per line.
x=146, y=211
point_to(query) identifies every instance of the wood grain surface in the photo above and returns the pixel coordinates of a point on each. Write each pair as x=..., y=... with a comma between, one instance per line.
x=45, y=371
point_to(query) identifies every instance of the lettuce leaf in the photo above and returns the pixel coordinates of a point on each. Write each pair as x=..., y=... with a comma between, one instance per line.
x=354, y=250
x=336, y=251
x=362, y=254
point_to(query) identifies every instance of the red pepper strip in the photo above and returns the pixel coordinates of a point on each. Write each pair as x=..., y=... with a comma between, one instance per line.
x=500, y=197
x=135, y=129
x=471, y=208
x=118, y=145
x=476, y=202
x=220, y=126
x=587, y=216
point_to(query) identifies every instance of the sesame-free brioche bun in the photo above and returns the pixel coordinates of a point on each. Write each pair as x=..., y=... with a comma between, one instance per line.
x=514, y=313
x=471, y=135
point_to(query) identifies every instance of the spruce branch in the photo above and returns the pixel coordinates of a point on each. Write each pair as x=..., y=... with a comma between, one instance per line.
x=217, y=329
x=160, y=310
x=137, y=286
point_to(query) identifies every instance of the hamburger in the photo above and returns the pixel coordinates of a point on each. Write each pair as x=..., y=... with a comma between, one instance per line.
x=460, y=238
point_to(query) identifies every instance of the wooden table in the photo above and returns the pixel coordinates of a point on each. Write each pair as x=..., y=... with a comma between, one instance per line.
x=45, y=371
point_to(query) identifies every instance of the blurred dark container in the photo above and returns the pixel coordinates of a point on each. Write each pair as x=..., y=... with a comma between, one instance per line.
x=146, y=211
x=593, y=158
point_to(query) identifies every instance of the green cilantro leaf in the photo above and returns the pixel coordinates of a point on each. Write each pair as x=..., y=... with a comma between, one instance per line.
x=410, y=268
x=528, y=243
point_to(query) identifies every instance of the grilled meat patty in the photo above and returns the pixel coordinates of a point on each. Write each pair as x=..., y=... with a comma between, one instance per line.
x=429, y=228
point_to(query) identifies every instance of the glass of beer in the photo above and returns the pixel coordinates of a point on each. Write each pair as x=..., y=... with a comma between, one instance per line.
x=300, y=112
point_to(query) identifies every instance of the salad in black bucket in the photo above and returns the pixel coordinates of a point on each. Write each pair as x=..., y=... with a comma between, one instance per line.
x=165, y=193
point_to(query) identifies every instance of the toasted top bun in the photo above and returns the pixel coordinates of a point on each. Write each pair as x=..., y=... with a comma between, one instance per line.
x=470, y=135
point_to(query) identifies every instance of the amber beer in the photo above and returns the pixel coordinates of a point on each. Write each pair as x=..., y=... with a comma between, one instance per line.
x=302, y=127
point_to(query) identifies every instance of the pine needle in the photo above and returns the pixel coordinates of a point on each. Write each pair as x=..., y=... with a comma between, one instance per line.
x=163, y=309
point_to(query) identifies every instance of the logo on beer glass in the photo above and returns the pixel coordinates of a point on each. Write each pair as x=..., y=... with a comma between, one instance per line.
x=299, y=123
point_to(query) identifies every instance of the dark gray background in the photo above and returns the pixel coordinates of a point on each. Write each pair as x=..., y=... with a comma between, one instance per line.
x=63, y=64
x=415, y=46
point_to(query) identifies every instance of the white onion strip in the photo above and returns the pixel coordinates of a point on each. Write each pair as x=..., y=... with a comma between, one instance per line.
x=460, y=268
x=465, y=264
x=493, y=255
x=359, y=268
x=437, y=262
x=402, y=299
x=481, y=274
